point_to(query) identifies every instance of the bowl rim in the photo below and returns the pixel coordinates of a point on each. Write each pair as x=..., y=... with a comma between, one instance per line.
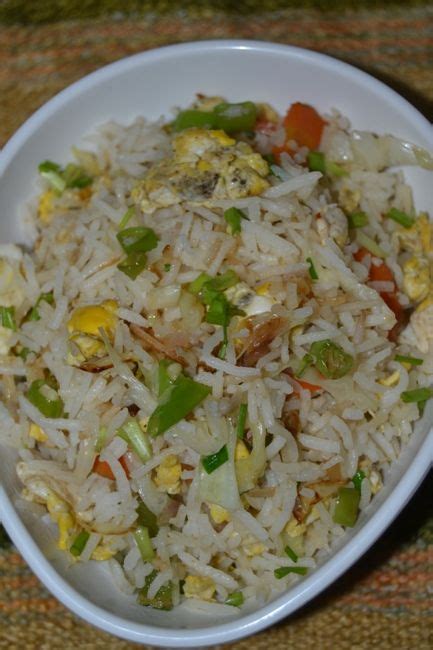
x=353, y=549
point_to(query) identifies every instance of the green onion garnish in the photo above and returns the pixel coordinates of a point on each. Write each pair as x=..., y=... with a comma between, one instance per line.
x=346, y=508
x=133, y=264
x=23, y=353
x=193, y=118
x=213, y=461
x=167, y=267
x=163, y=598
x=357, y=479
x=414, y=361
x=176, y=403
x=79, y=543
x=34, y=312
x=126, y=218
x=138, y=239
x=417, y=395
x=236, y=599
x=72, y=176
x=147, y=518
x=142, y=539
x=368, y=243
x=45, y=398
x=400, y=217
x=197, y=285
x=240, y=427
x=7, y=318
x=357, y=219
x=165, y=380
x=316, y=162
x=132, y=433
x=234, y=217
x=235, y=117
x=285, y=570
x=291, y=553
x=334, y=169
x=329, y=358
x=100, y=439
x=312, y=269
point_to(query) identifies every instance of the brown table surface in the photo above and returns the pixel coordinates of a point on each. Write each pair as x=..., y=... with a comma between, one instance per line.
x=386, y=600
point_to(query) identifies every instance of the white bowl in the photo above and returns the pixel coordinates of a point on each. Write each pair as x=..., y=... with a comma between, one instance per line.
x=151, y=84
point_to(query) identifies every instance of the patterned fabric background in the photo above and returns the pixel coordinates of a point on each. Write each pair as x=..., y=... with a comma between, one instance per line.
x=386, y=600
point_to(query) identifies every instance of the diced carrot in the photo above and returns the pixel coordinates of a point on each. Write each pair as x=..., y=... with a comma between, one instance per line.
x=360, y=254
x=102, y=468
x=304, y=125
x=313, y=388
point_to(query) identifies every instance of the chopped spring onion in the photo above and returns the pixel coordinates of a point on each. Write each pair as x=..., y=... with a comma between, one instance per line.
x=165, y=378
x=291, y=553
x=23, y=352
x=346, y=508
x=163, y=598
x=126, y=218
x=34, y=312
x=197, y=285
x=234, y=217
x=312, y=269
x=413, y=361
x=334, y=169
x=142, y=539
x=236, y=599
x=52, y=173
x=285, y=570
x=133, y=264
x=417, y=395
x=137, y=240
x=73, y=176
x=240, y=427
x=79, y=543
x=213, y=461
x=306, y=361
x=357, y=480
x=357, y=219
x=7, y=318
x=167, y=267
x=132, y=433
x=235, y=117
x=193, y=118
x=100, y=439
x=368, y=243
x=176, y=403
x=45, y=398
x=400, y=217
x=330, y=359
x=147, y=518
x=316, y=161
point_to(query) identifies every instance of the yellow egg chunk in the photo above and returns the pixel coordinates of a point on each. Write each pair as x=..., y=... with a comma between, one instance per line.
x=241, y=451
x=37, y=433
x=253, y=547
x=102, y=553
x=219, y=515
x=391, y=380
x=294, y=528
x=199, y=587
x=89, y=319
x=46, y=206
x=204, y=164
x=60, y=513
x=421, y=322
x=416, y=277
x=168, y=473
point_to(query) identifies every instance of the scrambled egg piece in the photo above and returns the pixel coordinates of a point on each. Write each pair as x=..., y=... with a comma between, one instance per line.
x=84, y=325
x=102, y=552
x=416, y=277
x=37, y=433
x=46, y=206
x=252, y=547
x=418, y=238
x=391, y=380
x=168, y=475
x=58, y=509
x=241, y=451
x=251, y=302
x=219, y=514
x=199, y=587
x=294, y=528
x=421, y=322
x=205, y=164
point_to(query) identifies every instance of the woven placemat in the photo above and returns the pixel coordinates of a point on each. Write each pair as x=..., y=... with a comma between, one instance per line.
x=386, y=600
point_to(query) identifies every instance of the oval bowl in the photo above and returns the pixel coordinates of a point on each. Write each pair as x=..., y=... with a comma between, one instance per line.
x=151, y=84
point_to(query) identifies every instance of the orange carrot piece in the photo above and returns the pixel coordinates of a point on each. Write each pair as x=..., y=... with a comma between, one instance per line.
x=102, y=468
x=304, y=125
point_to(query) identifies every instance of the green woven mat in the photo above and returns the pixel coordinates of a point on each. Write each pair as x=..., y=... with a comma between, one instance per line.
x=386, y=600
